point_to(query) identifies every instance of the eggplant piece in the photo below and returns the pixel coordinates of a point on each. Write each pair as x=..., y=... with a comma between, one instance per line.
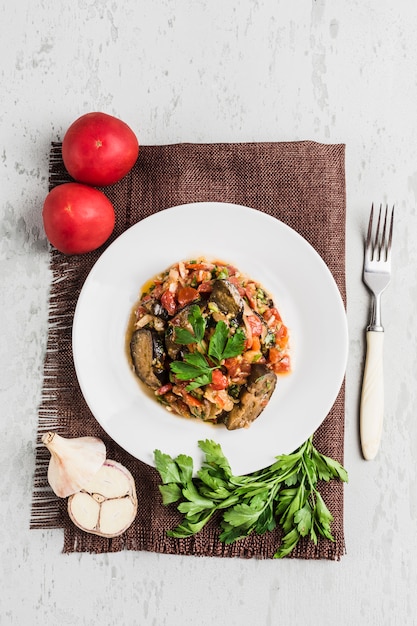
x=159, y=354
x=148, y=357
x=261, y=384
x=154, y=307
x=228, y=299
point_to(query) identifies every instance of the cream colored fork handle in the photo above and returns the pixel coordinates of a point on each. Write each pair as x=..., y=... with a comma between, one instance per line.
x=372, y=400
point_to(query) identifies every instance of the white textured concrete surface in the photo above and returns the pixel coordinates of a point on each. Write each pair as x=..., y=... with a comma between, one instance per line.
x=203, y=71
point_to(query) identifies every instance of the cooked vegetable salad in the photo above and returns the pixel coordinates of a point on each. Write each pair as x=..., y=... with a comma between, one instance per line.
x=209, y=341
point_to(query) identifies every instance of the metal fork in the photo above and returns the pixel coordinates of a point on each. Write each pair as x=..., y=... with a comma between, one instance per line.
x=376, y=276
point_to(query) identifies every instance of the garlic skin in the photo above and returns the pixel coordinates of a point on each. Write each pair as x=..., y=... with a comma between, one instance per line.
x=107, y=505
x=73, y=463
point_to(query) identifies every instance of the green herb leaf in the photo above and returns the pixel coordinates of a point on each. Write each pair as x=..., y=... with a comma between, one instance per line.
x=235, y=344
x=185, y=464
x=216, y=486
x=190, y=527
x=289, y=541
x=223, y=345
x=231, y=534
x=329, y=468
x=197, y=321
x=185, y=371
x=192, y=367
x=198, y=360
x=218, y=341
x=214, y=457
x=266, y=521
x=242, y=515
x=184, y=336
x=303, y=519
x=193, y=507
x=199, y=381
x=167, y=468
x=170, y=493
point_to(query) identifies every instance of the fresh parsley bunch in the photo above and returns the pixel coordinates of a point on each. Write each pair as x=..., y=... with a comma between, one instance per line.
x=285, y=493
x=222, y=345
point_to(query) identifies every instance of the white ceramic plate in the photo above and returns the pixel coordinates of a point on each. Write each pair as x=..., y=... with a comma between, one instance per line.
x=267, y=250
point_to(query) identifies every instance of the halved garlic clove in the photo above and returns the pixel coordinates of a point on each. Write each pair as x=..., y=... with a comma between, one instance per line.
x=107, y=505
x=116, y=516
x=84, y=507
x=73, y=463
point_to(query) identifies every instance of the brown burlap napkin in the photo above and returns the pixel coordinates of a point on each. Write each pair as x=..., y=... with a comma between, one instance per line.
x=300, y=183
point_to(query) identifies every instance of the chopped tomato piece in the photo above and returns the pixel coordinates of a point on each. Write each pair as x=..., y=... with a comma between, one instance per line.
x=255, y=325
x=191, y=400
x=256, y=344
x=218, y=380
x=205, y=287
x=235, y=281
x=283, y=366
x=237, y=369
x=219, y=401
x=272, y=313
x=157, y=292
x=232, y=364
x=274, y=355
x=280, y=363
x=168, y=302
x=140, y=311
x=163, y=390
x=185, y=295
x=281, y=337
x=231, y=270
x=199, y=266
x=250, y=293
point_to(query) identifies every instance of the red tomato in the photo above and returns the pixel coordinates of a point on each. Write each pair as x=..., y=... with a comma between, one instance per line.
x=255, y=325
x=186, y=295
x=77, y=218
x=168, y=302
x=218, y=380
x=99, y=149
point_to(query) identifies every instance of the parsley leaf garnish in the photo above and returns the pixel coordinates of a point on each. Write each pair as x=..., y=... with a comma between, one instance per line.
x=198, y=323
x=284, y=493
x=222, y=345
x=195, y=368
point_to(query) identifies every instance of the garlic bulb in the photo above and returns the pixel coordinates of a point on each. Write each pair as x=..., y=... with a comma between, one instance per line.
x=73, y=462
x=107, y=505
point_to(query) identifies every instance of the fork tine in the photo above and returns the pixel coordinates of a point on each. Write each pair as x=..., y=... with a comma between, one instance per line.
x=390, y=233
x=369, y=250
x=377, y=242
x=382, y=244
